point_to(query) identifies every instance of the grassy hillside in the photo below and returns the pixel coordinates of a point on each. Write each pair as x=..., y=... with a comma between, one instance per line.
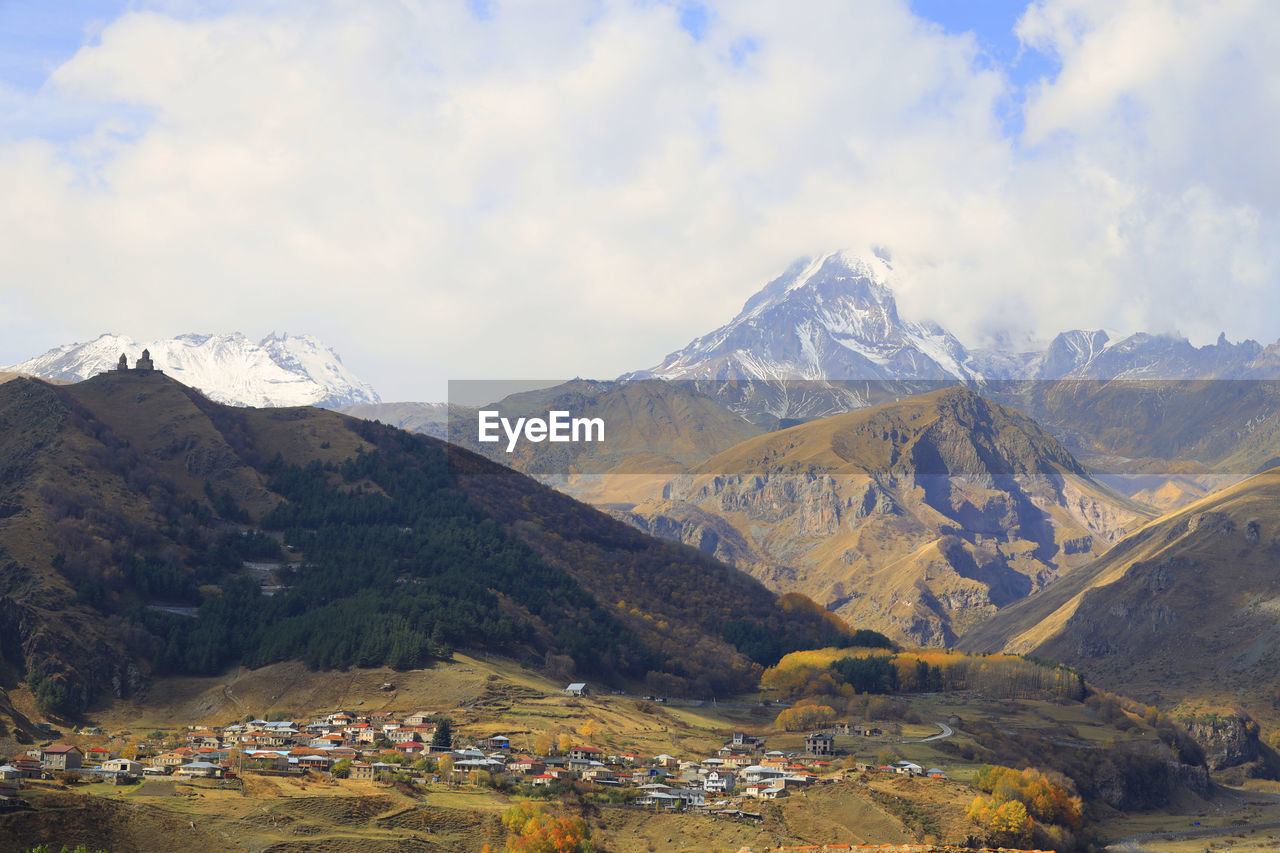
x=146, y=529
x=1181, y=611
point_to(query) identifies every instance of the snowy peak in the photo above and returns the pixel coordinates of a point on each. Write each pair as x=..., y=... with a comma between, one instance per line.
x=281, y=370
x=1070, y=351
x=832, y=317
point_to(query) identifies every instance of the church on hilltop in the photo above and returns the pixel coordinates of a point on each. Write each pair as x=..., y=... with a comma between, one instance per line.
x=144, y=363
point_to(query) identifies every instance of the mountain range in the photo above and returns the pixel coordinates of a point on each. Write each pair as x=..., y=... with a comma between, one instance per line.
x=279, y=370
x=825, y=444
x=826, y=336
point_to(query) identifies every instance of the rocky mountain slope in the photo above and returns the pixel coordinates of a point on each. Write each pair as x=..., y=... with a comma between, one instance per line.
x=141, y=531
x=279, y=370
x=1182, y=610
x=917, y=518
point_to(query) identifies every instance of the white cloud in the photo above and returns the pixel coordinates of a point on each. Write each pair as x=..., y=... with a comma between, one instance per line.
x=567, y=189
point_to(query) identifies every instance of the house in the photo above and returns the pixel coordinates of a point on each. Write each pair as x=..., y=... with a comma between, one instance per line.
x=600, y=775
x=28, y=767
x=361, y=771
x=578, y=688
x=200, y=769
x=795, y=780
x=204, y=737
x=411, y=748
x=123, y=765
x=766, y=792
x=584, y=753
x=819, y=743
x=718, y=782
x=935, y=773
x=497, y=742
x=314, y=762
x=418, y=718
x=276, y=737
x=169, y=761
x=488, y=765
x=662, y=801
x=906, y=768
x=9, y=773
x=527, y=766
x=542, y=779
x=403, y=734
x=759, y=773
x=656, y=786
x=62, y=757
x=691, y=796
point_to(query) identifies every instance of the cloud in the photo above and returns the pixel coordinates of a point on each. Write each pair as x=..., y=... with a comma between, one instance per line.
x=578, y=188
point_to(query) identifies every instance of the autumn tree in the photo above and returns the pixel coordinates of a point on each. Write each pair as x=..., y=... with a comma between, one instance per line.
x=1027, y=803
x=805, y=717
x=531, y=829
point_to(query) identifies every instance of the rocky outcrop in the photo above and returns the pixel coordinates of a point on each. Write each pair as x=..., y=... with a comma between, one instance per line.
x=1228, y=740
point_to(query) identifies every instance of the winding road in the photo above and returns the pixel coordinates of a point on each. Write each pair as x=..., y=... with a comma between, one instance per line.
x=946, y=732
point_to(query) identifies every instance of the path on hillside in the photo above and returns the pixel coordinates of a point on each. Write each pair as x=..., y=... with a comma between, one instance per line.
x=1135, y=844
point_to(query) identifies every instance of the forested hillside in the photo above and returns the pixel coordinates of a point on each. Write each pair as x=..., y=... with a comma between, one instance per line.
x=150, y=531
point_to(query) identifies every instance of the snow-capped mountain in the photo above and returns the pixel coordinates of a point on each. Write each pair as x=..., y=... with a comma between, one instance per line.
x=829, y=318
x=280, y=370
x=833, y=321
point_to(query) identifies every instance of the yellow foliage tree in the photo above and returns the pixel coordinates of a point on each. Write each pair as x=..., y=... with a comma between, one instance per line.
x=532, y=830
x=804, y=717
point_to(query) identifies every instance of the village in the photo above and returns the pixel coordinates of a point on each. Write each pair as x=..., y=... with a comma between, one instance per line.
x=421, y=747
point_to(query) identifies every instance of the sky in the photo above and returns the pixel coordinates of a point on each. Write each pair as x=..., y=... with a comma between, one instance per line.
x=484, y=189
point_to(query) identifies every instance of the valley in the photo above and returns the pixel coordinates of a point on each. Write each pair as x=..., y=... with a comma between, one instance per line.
x=762, y=508
x=487, y=696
